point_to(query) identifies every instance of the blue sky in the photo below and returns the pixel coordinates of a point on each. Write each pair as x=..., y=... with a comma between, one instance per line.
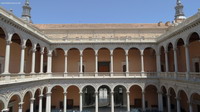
x=102, y=11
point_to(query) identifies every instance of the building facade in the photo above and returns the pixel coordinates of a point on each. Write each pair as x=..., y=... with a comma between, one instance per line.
x=99, y=67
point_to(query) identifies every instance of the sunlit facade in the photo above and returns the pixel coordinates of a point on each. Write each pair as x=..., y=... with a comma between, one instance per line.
x=99, y=67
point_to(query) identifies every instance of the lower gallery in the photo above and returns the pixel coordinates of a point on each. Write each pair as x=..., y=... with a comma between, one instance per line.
x=99, y=67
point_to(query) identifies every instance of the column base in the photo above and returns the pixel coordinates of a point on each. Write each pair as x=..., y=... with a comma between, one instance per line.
x=5, y=73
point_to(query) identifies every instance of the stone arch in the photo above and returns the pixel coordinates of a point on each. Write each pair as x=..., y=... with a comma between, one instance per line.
x=104, y=48
x=134, y=55
x=149, y=59
x=53, y=86
x=104, y=85
x=119, y=60
x=73, y=92
x=124, y=86
x=4, y=31
x=58, y=60
x=2, y=103
x=151, y=84
x=73, y=59
x=17, y=97
x=192, y=37
x=88, y=60
x=37, y=90
x=184, y=99
x=27, y=92
x=151, y=95
x=76, y=86
x=82, y=88
x=140, y=86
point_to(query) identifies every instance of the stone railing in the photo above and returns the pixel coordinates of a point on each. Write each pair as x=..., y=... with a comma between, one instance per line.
x=12, y=78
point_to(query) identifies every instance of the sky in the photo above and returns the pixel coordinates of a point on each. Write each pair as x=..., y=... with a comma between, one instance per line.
x=101, y=11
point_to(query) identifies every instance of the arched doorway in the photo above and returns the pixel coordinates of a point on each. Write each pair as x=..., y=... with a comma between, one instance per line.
x=15, y=54
x=14, y=103
x=173, y=103
x=136, y=97
x=170, y=55
x=182, y=97
x=151, y=98
x=73, y=98
x=195, y=99
x=58, y=61
x=88, y=98
x=149, y=60
x=28, y=56
x=73, y=59
x=181, y=55
x=120, y=98
x=57, y=98
x=2, y=49
x=104, y=62
x=27, y=101
x=162, y=59
x=88, y=60
x=104, y=98
x=119, y=61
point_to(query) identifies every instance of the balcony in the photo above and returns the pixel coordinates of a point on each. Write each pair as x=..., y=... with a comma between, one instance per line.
x=14, y=78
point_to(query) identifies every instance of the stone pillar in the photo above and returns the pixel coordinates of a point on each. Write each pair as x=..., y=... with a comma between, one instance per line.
x=166, y=61
x=33, y=60
x=65, y=102
x=49, y=62
x=96, y=102
x=111, y=62
x=81, y=102
x=190, y=106
x=20, y=107
x=168, y=103
x=32, y=104
x=160, y=101
x=96, y=64
x=112, y=102
x=175, y=62
x=178, y=105
x=127, y=64
x=40, y=103
x=187, y=55
x=7, y=57
x=143, y=101
x=66, y=62
x=22, y=59
x=41, y=60
x=142, y=61
x=128, y=101
x=158, y=62
x=81, y=63
x=48, y=102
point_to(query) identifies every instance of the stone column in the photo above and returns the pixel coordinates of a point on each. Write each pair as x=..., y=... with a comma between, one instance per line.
x=128, y=101
x=142, y=61
x=127, y=64
x=81, y=102
x=20, y=107
x=7, y=57
x=23, y=47
x=143, y=101
x=65, y=102
x=96, y=102
x=49, y=62
x=166, y=61
x=160, y=101
x=158, y=62
x=81, y=63
x=41, y=60
x=112, y=102
x=187, y=55
x=40, y=103
x=190, y=106
x=32, y=104
x=178, y=104
x=168, y=103
x=33, y=61
x=175, y=62
x=96, y=64
x=111, y=61
x=48, y=102
x=66, y=62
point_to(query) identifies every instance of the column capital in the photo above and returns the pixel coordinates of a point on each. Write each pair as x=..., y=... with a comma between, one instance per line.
x=80, y=93
x=178, y=98
x=48, y=94
x=34, y=50
x=142, y=54
x=49, y=54
x=159, y=92
x=41, y=96
x=112, y=92
x=8, y=42
x=96, y=93
x=23, y=46
x=174, y=49
x=32, y=99
x=157, y=54
x=5, y=110
x=166, y=51
x=127, y=92
x=42, y=52
x=65, y=93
